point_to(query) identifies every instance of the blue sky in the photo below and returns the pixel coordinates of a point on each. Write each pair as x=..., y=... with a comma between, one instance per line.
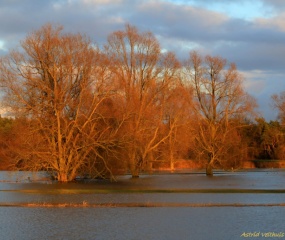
x=247, y=9
x=250, y=33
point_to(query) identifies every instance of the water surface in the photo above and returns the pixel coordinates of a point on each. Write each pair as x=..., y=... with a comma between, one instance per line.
x=248, y=202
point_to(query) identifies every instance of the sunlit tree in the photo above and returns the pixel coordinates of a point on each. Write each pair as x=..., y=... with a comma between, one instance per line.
x=221, y=105
x=279, y=103
x=57, y=82
x=142, y=73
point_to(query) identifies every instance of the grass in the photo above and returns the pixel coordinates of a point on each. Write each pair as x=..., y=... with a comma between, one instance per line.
x=133, y=191
x=84, y=204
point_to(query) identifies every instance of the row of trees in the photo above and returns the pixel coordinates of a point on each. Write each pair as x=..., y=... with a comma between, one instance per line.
x=84, y=110
x=261, y=141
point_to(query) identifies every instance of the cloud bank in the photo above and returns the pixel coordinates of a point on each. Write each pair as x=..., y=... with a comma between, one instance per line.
x=250, y=35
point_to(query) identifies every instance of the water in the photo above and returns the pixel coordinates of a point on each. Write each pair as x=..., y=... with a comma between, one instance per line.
x=187, y=206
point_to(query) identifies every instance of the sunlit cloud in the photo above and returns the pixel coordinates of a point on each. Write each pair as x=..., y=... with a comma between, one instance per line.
x=277, y=22
x=242, y=9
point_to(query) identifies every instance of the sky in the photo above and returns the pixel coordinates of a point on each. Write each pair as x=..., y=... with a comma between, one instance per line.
x=250, y=33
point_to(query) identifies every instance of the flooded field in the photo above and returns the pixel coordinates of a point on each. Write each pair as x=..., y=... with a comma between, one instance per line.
x=230, y=205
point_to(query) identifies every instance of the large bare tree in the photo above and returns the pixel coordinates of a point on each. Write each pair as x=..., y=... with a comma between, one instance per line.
x=58, y=83
x=143, y=73
x=221, y=105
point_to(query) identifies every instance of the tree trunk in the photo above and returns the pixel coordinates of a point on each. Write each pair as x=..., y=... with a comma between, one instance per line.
x=209, y=169
x=133, y=165
x=135, y=172
x=62, y=177
x=172, y=165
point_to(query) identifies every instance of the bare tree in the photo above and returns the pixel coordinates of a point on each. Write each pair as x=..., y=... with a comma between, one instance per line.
x=142, y=72
x=58, y=83
x=178, y=119
x=221, y=105
x=279, y=104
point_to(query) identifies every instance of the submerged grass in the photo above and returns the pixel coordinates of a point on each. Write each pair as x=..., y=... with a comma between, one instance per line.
x=108, y=191
x=136, y=205
x=85, y=204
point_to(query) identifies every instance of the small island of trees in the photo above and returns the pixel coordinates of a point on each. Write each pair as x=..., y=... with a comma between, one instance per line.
x=79, y=110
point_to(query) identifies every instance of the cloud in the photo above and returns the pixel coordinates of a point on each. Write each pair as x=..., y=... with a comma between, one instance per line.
x=278, y=5
x=257, y=83
x=178, y=21
x=254, y=42
x=262, y=85
x=102, y=1
x=242, y=9
x=181, y=28
x=97, y=18
x=277, y=22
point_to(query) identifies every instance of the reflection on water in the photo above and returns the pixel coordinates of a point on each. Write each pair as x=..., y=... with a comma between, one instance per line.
x=143, y=223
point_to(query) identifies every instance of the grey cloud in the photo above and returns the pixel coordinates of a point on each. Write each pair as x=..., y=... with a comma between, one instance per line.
x=195, y=24
x=18, y=18
x=176, y=21
x=249, y=44
x=261, y=56
x=278, y=5
x=273, y=84
x=239, y=40
x=180, y=28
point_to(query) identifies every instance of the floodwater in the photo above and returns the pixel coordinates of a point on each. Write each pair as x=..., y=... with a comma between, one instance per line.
x=188, y=205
